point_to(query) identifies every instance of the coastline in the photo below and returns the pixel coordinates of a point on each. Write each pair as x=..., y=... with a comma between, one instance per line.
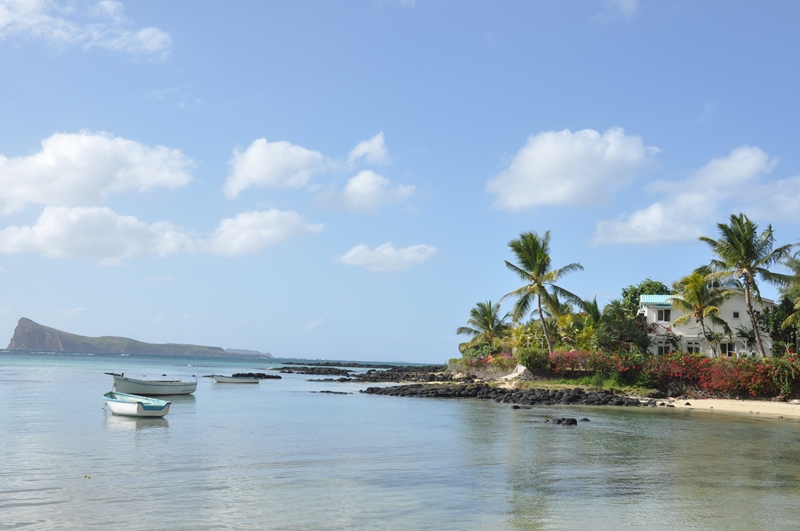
x=763, y=408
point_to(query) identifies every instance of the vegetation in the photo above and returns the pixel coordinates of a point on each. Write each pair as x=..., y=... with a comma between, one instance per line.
x=745, y=255
x=534, y=267
x=564, y=338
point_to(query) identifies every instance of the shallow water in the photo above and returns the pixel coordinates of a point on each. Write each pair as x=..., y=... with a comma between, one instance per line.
x=282, y=455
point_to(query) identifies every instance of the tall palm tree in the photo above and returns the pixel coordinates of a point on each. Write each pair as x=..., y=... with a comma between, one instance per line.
x=700, y=298
x=744, y=254
x=485, y=322
x=534, y=267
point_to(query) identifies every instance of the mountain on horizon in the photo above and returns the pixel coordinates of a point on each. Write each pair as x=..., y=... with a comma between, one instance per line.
x=31, y=336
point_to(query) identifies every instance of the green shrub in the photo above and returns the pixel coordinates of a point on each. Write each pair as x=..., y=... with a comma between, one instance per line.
x=532, y=358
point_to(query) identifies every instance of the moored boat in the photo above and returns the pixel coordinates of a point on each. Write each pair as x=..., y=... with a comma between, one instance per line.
x=133, y=386
x=135, y=406
x=235, y=379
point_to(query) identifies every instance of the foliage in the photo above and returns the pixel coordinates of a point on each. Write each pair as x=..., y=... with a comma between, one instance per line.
x=569, y=361
x=700, y=297
x=485, y=321
x=631, y=294
x=534, y=267
x=533, y=358
x=744, y=254
x=619, y=330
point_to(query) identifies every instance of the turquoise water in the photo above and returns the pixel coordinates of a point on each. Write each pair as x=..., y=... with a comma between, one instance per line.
x=282, y=455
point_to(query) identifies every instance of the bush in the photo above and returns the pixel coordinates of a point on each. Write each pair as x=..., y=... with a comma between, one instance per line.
x=532, y=358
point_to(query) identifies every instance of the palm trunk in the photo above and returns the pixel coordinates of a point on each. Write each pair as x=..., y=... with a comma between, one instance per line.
x=544, y=325
x=753, y=321
x=705, y=336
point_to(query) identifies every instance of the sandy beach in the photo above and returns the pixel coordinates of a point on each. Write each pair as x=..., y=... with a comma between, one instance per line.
x=789, y=409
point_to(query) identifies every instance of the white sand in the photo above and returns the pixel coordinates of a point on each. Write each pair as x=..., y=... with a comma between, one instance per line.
x=789, y=409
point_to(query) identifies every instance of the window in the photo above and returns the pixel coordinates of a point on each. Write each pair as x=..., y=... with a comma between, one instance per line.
x=727, y=349
x=664, y=315
x=693, y=347
x=735, y=315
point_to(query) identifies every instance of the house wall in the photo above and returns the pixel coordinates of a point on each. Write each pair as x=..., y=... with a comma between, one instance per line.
x=733, y=311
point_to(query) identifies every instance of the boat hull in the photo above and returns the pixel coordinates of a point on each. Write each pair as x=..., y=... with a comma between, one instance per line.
x=234, y=379
x=132, y=386
x=129, y=405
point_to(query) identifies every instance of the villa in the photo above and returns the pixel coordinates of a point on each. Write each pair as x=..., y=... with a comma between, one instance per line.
x=666, y=336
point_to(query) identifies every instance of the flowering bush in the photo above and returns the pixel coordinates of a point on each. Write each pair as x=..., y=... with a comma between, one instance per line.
x=568, y=361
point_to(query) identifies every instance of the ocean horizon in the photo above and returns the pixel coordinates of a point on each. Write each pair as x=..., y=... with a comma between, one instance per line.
x=304, y=452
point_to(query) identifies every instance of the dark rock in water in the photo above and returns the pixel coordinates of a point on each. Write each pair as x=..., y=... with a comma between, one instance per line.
x=528, y=397
x=584, y=419
x=687, y=404
x=566, y=421
x=334, y=392
x=259, y=375
x=326, y=371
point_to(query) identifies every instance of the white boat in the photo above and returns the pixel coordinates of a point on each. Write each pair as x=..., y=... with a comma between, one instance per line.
x=135, y=406
x=235, y=379
x=123, y=384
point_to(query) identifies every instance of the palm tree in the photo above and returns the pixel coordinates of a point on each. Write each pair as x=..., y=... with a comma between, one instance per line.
x=700, y=298
x=534, y=267
x=744, y=254
x=485, y=323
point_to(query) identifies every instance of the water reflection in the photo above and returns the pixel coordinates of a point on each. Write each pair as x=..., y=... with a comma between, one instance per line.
x=122, y=423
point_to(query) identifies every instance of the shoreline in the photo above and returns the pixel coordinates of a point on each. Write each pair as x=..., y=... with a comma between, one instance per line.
x=762, y=408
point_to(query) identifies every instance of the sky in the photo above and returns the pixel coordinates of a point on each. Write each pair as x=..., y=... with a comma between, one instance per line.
x=341, y=180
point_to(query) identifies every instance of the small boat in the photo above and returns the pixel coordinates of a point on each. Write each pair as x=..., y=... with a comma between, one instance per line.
x=135, y=406
x=235, y=379
x=123, y=384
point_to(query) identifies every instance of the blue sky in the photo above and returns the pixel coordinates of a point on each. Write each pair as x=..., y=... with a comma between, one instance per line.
x=341, y=179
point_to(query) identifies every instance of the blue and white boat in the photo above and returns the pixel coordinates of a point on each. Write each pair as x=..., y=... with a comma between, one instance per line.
x=135, y=405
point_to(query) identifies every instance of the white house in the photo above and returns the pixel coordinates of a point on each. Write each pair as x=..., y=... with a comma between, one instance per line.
x=660, y=316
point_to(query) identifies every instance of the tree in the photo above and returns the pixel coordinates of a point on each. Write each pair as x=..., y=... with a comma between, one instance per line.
x=534, y=267
x=744, y=254
x=700, y=298
x=631, y=294
x=485, y=323
x=619, y=330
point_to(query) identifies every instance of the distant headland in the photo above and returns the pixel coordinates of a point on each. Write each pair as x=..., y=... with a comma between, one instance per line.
x=32, y=336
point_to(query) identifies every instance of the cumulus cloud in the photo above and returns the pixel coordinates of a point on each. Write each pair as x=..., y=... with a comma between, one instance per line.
x=367, y=191
x=566, y=168
x=272, y=164
x=372, y=150
x=80, y=169
x=110, y=238
x=386, y=258
x=102, y=25
x=687, y=208
x=251, y=232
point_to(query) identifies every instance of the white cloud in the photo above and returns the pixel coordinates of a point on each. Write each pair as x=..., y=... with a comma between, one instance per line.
x=110, y=238
x=105, y=28
x=251, y=232
x=566, y=168
x=619, y=9
x=687, y=208
x=79, y=169
x=367, y=191
x=272, y=164
x=372, y=150
x=386, y=258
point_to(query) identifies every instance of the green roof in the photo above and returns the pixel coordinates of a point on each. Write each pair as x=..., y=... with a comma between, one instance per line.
x=661, y=300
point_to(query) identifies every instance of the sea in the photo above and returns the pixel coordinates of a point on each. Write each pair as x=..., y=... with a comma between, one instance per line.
x=302, y=453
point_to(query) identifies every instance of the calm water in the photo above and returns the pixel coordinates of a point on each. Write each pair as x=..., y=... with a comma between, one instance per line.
x=282, y=455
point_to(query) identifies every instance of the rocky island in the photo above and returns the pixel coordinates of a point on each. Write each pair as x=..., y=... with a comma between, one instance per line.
x=31, y=336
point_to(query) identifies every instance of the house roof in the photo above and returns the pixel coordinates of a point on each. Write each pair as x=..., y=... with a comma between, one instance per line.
x=659, y=300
